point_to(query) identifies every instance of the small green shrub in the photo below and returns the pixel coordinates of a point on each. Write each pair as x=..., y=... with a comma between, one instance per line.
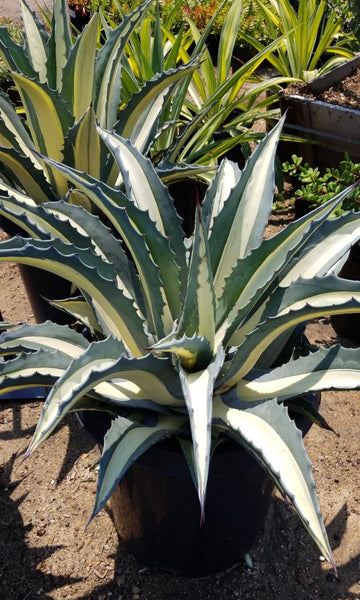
x=348, y=11
x=317, y=187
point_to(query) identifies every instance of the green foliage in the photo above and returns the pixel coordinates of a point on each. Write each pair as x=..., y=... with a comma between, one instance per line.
x=348, y=14
x=217, y=99
x=355, y=20
x=196, y=337
x=253, y=23
x=313, y=42
x=251, y=20
x=162, y=95
x=15, y=32
x=66, y=85
x=318, y=187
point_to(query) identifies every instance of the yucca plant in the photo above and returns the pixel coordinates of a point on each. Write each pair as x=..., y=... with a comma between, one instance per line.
x=197, y=338
x=215, y=98
x=210, y=99
x=313, y=42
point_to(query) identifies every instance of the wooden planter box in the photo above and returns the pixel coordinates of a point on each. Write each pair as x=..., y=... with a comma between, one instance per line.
x=331, y=129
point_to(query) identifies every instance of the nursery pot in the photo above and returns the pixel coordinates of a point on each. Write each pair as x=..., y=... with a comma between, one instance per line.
x=41, y=285
x=157, y=514
x=348, y=325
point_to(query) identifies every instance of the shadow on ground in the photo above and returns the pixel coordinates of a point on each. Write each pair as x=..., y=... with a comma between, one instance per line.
x=286, y=562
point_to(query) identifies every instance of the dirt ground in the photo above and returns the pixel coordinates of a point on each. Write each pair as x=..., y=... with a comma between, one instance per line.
x=46, y=501
x=346, y=93
x=10, y=8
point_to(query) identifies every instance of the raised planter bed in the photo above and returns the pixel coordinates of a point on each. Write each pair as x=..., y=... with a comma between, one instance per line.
x=330, y=129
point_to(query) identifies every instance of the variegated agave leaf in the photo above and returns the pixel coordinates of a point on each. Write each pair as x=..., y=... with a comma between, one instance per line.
x=158, y=252
x=124, y=442
x=90, y=273
x=199, y=337
x=321, y=369
x=277, y=444
x=198, y=392
x=67, y=86
x=153, y=379
x=39, y=369
x=245, y=212
x=46, y=336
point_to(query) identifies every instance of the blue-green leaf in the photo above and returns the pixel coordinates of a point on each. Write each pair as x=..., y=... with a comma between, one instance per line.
x=150, y=377
x=198, y=392
x=198, y=316
x=115, y=311
x=240, y=225
x=41, y=368
x=45, y=336
x=108, y=67
x=267, y=432
x=124, y=442
x=324, y=369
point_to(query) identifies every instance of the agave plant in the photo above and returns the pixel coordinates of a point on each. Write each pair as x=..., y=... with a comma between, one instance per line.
x=129, y=83
x=198, y=338
x=65, y=87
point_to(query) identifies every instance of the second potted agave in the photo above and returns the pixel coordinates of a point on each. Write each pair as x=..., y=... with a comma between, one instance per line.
x=67, y=85
x=197, y=340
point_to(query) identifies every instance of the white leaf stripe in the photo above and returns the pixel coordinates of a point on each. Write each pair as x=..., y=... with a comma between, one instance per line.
x=266, y=442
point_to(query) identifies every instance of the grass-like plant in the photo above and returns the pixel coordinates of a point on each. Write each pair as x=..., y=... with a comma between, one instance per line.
x=68, y=84
x=313, y=42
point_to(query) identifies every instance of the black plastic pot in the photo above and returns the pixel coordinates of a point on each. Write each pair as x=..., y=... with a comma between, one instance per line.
x=157, y=514
x=348, y=325
x=41, y=286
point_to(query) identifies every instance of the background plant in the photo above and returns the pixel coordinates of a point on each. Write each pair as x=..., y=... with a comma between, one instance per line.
x=313, y=43
x=214, y=99
x=251, y=20
x=318, y=186
x=217, y=99
x=355, y=18
x=67, y=84
x=349, y=15
x=127, y=82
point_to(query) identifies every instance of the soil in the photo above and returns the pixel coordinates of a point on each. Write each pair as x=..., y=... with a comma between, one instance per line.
x=46, y=551
x=11, y=8
x=346, y=93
